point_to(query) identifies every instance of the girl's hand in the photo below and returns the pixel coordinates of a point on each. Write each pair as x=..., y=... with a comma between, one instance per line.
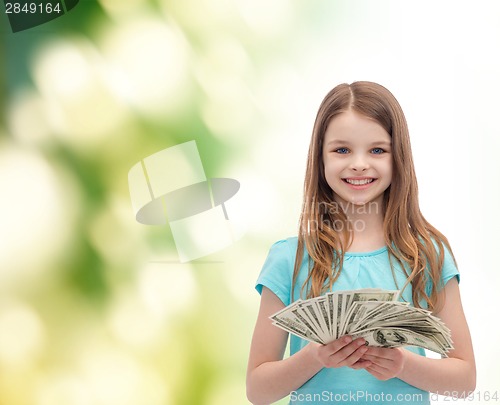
x=386, y=363
x=341, y=352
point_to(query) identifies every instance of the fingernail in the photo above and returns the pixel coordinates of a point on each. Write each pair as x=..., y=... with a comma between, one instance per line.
x=347, y=339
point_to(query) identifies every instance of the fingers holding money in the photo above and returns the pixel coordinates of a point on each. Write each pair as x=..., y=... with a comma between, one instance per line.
x=342, y=352
x=386, y=363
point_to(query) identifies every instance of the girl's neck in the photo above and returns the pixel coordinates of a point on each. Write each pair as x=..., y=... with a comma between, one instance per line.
x=366, y=223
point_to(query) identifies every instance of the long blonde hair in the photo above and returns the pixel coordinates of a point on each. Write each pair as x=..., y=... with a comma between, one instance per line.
x=409, y=237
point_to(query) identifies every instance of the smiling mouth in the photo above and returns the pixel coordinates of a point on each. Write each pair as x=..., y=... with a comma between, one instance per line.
x=359, y=182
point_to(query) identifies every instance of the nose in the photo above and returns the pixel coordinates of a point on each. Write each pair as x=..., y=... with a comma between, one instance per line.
x=359, y=163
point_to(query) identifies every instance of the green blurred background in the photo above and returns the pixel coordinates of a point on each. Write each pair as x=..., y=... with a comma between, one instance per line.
x=95, y=308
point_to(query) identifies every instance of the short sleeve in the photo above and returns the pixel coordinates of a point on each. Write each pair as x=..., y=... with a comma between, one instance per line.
x=450, y=269
x=277, y=272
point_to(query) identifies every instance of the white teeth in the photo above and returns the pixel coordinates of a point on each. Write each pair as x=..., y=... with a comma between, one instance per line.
x=359, y=182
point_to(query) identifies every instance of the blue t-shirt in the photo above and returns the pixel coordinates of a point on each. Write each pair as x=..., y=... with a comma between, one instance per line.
x=360, y=270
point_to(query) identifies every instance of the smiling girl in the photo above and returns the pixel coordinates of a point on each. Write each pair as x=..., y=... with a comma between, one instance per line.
x=360, y=227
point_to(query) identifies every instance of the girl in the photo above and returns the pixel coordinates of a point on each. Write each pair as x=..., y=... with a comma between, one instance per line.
x=360, y=227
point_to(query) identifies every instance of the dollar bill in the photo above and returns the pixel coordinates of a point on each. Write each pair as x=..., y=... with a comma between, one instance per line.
x=395, y=337
x=374, y=314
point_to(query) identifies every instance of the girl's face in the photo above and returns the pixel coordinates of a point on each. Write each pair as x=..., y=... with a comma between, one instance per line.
x=357, y=159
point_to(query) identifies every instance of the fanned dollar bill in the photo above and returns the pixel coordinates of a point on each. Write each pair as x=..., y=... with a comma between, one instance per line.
x=373, y=314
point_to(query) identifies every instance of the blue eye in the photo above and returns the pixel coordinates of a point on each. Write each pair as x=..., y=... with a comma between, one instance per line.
x=377, y=151
x=342, y=150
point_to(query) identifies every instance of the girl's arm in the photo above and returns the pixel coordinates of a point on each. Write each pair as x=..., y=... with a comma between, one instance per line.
x=269, y=377
x=455, y=374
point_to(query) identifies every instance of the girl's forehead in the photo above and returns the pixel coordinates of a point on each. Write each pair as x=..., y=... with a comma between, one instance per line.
x=352, y=126
x=351, y=117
